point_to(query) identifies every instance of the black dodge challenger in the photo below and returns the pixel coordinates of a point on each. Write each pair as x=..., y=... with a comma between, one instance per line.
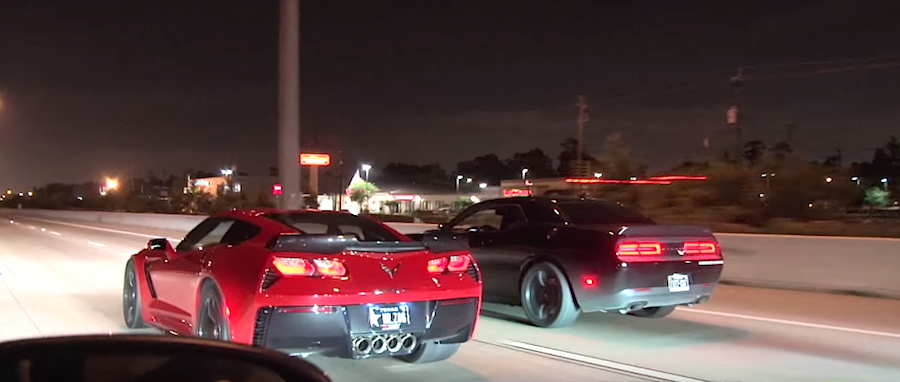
x=560, y=256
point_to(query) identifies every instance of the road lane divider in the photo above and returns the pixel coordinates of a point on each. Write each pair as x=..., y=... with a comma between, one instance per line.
x=117, y=231
x=791, y=322
x=5, y=271
x=598, y=362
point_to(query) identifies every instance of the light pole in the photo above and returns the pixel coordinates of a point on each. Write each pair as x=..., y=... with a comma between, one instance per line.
x=524, y=171
x=289, y=104
x=458, y=178
x=885, y=182
x=366, y=168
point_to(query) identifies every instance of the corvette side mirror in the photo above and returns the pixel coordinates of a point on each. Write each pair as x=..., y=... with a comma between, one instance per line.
x=161, y=246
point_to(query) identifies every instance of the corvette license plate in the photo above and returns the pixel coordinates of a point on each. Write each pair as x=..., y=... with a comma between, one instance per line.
x=388, y=317
x=679, y=283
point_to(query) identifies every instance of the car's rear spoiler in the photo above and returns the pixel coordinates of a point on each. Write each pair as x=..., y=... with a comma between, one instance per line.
x=331, y=244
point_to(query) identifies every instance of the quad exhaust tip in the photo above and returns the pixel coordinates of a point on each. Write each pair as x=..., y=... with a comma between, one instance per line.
x=379, y=343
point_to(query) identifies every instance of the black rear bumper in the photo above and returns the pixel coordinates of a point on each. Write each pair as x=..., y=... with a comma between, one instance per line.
x=643, y=285
x=334, y=331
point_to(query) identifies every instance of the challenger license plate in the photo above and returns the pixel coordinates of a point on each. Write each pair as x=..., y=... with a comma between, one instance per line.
x=391, y=317
x=679, y=283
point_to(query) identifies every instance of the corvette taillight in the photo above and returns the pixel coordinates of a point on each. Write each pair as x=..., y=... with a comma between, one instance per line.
x=297, y=266
x=699, y=248
x=455, y=264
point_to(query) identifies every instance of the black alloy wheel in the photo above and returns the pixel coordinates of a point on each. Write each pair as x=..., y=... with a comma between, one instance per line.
x=547, y=297
x=211, y=321
x=131, y=299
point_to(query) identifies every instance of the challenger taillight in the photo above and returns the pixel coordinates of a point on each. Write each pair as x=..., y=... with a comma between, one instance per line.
x=639, y=249
x=453, y=264
x=298, y=266
x=699, y=248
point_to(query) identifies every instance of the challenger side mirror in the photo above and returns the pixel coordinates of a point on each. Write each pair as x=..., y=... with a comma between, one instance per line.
x=147, y=358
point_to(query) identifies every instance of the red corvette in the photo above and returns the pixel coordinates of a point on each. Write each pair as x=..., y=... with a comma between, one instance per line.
x=307, y=282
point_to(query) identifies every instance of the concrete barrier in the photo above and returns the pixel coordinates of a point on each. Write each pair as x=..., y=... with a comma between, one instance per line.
x=866, y=266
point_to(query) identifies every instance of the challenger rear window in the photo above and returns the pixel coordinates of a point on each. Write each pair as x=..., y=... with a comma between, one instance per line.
x=336, y=224
x=593, y=212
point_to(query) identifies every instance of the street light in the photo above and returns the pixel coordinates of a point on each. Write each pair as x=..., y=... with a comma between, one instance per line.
x=885, y=181
x=366, y=168
x=112, y=184
x=30, y=193
x=227, y=171
x=468, y=180
x=458, y=178
x=828, y=180
x=482, y=185
x=598, y=175
x=855, y=179
x=524, y=171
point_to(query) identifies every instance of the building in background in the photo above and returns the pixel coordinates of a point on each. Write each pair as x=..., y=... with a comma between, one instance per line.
x=252, y=186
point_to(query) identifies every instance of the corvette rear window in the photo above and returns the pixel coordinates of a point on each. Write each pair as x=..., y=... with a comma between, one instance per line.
x=600, y=212
x=336, y=224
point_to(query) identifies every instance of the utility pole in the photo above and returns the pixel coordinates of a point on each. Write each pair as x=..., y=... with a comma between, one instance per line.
x=579, y=168
x=289, y=104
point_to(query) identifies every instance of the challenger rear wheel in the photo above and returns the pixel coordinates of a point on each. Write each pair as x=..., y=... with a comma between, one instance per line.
x=131, y=299
x=547, y=297
x=430, y=352
x=211, y=318
x=655, y=312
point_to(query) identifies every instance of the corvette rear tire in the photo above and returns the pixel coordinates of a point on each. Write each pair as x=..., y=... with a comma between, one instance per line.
x=547, y=297
x=212, y=322
x=655, y=312
x=430, y=352
x=131, y=299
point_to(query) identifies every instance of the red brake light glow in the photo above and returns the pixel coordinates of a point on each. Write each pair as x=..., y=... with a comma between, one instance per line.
x=296, y=266
x=331, y=268
x=699, y=248
x=458, y=263
x=437, y=266
x=639, y=249
x=455, y=263
x=293, y=266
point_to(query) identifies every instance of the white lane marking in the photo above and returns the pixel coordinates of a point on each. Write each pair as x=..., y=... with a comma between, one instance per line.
x=96, y=243
x=602, y=362
x=795, y=323
x=101, y=229
x=55, y=233
x=5, y=271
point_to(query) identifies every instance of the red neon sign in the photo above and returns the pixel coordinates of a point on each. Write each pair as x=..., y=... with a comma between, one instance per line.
x=276, y=189
x=308, y=159
x=678, y=177
x=607, y=181
x=516, y=192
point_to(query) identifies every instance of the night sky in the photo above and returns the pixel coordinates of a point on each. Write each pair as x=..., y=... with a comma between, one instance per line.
x=93, y=88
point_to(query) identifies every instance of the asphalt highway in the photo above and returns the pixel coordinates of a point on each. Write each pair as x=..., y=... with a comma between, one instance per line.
x=62, y=278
